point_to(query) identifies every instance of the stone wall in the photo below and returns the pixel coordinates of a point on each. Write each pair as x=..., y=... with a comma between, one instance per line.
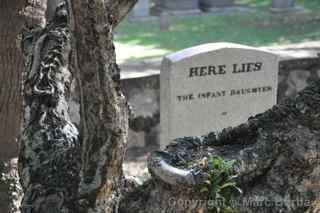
x=297, y=69
x=143, y=95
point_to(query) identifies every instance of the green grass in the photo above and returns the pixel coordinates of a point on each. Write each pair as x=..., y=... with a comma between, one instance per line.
x=259, y=28
x=263, y=5
x=313, y=5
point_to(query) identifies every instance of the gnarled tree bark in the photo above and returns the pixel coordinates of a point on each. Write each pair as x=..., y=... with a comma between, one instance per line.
x=103, y=110
x=62, y=171
x=66, y=171
x=50, y=148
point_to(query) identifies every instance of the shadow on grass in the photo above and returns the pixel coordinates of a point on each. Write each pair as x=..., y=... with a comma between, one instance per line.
x=245, y=29
x=257, y=28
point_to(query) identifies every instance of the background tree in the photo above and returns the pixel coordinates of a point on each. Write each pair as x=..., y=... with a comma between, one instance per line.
x=12, y=20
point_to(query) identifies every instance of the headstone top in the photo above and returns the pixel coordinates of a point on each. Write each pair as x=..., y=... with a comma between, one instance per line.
x=214, y=86
x=206, y=48
x=178, y=7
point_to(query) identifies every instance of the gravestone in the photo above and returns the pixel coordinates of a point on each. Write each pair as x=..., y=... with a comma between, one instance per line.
x=178, y=7
x=141, y=9
x=164, y=22
x=284, y=6
x=214, y=86
x=206, y=5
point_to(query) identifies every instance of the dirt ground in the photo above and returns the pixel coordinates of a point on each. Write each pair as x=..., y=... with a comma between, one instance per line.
x=135, y=164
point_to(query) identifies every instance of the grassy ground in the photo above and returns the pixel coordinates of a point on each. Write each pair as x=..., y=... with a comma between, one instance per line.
x=257, y=28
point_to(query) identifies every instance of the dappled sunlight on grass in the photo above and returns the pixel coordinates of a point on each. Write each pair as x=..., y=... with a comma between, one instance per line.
x=132, y=52
x=258, y=4
x=262, y=28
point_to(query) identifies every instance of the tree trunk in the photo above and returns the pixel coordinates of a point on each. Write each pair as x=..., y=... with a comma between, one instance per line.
x=64, y=171
x=11, y=66
x=50, y=149
x=276, y=153
x=104, y=113
x=60, y=171
x=103, y=119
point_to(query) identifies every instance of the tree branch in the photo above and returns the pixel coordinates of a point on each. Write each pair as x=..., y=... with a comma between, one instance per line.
x=121, y=8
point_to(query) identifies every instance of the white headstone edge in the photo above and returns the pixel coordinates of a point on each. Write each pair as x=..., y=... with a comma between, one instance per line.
x=168, y=65
x=208, y=47
x=164, y=101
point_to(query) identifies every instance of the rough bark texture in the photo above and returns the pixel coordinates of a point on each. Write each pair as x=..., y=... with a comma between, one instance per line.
x=50, y=149
x=277, y=152
x=277, y=155
x=10, y=189
x=60, y=171
x=34, y=13
x=104, y=116
x=11, y=66
x=121, y=8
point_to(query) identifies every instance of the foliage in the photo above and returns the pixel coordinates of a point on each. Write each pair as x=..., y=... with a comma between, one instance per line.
x=220, y=187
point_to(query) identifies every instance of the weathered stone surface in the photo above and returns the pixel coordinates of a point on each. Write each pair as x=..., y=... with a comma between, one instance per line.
x=178, y=7
x=216, y=3
x=279, y=6
x=297, y=69
x=226, y=81
x=283, y=4
x=295, y=75
x=277, y=154
x=143, y=96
